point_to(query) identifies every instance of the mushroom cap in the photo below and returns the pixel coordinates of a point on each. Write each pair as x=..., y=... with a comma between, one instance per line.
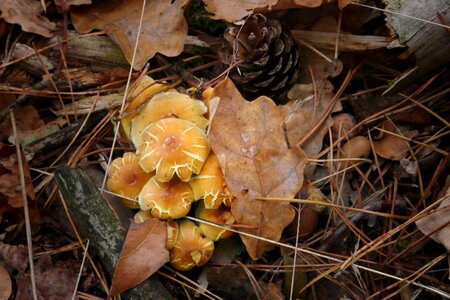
x=126, y=178
x=221, y=215
x=172, y=234
x=141, y=216
x=168, y=105
x=166, y=200
x=173, y=146
x=191, y=249
x=209, y=184
x=143, y=89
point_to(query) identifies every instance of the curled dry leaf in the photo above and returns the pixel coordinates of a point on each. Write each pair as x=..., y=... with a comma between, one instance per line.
x=5, y=284
x=68, y=3
x=248, y=139
x=303, y=113
x=143, y=253
x=438, y=218
x=10, y=177
x=28, y=14
x=391, y=146
x=164, y=27
x=235, y=10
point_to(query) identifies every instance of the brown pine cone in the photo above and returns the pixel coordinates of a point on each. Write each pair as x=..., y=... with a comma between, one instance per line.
x=265, y=55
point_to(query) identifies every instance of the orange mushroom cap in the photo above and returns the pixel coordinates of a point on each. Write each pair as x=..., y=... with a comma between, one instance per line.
x=126, y=178
x=191, y=249
x=142, y=90
x=209, y=184
x=168, y=105
x=173, y=146
x=221, y=215
x=166, y=200
x=141, y=216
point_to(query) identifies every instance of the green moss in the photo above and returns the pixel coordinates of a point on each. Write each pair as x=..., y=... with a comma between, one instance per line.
x=198, y=18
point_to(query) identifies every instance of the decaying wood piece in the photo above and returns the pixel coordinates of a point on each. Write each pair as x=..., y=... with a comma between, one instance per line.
x=97, y=222
x=347, y=42
x=100, y=52
x=429, y=43
x=33, y=65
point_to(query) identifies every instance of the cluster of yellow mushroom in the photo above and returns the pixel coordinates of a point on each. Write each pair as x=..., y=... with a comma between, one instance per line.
x=173, y=166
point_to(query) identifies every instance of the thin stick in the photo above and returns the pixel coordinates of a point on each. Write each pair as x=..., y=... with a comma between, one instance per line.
x=25, y=206
x=125, y=94
x=81, y=270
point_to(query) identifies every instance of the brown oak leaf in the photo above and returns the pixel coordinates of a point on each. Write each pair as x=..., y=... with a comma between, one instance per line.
x=234, y=10
x=249, y=141
x=143, y=253
x=28, y=14
x=163, y=30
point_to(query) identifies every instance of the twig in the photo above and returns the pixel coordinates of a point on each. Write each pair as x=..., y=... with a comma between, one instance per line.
x=25, y=206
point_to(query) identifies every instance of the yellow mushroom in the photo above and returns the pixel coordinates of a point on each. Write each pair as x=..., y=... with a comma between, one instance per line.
x=210, y=184
x=168, y=105
x=166, y=200
x=191, y=249
x=221, y=215
x=126, y=178
x=173, y=146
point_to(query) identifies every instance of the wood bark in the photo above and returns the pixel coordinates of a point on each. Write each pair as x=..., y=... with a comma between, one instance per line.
x=429, y=43
x=97, y=222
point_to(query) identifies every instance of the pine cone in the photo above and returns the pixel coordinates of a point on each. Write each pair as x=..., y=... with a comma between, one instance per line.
x=266, y=56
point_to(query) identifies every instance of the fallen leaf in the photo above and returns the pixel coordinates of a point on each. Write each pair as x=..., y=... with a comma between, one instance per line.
x=303, y=113
x=51, y=282
x=143, y=253
x=391, y=146
x=438, y=218
x=230, y=281
x=28, y=14
x=15, y=257
x=164, y=27
x=68, y=3
x=5, y=284
x=10, y=177
x=234, y=10
x=249, y=141
x=273, y=291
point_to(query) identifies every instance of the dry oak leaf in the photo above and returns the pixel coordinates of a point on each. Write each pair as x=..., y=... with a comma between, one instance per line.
x=28, y=14
x=5, y=284
x=143, y=253
x=234, y=10
x=249, y=141
x=438, y=221
x=164, y=27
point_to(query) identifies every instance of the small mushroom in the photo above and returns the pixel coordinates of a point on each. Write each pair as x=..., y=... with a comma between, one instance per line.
x=143, y=89
x=141, y=216
x=126, y=178
x=191, y=248
x=166, y=200
x=221, y=215
x=172, y=234
x=357, y=147
x=173, y=146
x=210, y=184
x=168, y=105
